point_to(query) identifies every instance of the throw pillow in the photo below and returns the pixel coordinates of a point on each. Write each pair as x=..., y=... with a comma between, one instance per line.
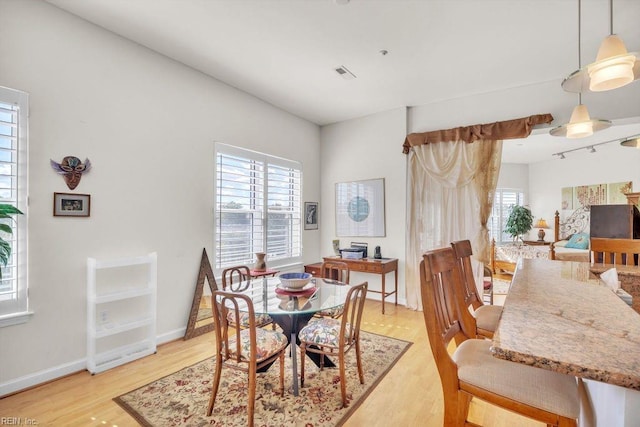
x=561, y=243
x=578, y=241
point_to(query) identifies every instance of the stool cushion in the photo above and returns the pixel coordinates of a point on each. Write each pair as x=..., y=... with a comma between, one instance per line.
x=487, y=317
x=543, y=389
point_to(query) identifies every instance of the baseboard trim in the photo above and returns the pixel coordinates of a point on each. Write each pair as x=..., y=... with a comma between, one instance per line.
x=41, y=377
x=38, y=378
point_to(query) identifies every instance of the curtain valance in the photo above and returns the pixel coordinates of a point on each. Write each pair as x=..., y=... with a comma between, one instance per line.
x=508, y=129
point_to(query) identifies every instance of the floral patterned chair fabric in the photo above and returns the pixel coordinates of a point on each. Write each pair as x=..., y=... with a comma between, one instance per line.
x=333, y=337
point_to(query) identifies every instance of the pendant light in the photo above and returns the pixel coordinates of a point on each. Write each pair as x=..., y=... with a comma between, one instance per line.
x=614, y=67
x=581, y=124
x=633, y=141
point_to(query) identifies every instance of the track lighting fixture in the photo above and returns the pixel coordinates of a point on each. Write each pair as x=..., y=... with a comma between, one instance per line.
x=631, y=141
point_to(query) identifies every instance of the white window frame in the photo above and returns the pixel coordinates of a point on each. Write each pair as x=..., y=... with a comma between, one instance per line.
x=14, y=309
x=294, y=249
x=496, y=230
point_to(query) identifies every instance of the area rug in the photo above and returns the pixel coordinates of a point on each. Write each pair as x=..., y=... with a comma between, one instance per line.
x=181, y=399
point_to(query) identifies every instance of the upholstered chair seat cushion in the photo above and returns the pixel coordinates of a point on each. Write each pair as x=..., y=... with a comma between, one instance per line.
x=334, y=312
x=325, y=332
x=267, y=343
x=487, y=317
x=261, y=319
x=548, y=390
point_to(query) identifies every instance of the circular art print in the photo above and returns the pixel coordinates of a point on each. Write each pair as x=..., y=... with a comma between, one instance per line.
x=358, y=209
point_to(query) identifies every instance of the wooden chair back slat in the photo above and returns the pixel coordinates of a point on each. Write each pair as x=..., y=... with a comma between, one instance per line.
x=235, y=278
x=463, y=253
x=615, y=251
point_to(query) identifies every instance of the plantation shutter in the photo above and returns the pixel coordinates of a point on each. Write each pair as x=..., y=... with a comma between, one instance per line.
x=258, y=207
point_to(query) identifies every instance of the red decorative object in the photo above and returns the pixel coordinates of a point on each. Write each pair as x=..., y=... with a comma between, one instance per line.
x=305, y=293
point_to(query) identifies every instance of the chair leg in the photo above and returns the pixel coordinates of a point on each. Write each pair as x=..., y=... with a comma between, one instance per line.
x=251, y=403
x=359, y=362
x=281, y=373
x=216, y=383
x=303, y=350
x=343, y=378
x=464, y=399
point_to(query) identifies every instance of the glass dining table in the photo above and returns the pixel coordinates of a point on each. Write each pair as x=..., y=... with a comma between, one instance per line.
x=292, y=310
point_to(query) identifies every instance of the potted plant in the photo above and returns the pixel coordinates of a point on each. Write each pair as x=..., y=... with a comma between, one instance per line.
x=519, y=222
x=6, y=211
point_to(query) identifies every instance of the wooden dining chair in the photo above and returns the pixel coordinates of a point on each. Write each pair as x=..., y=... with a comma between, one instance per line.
x=472, y=371
x=483, y=320
x=246, y=350
x=614, y=251
x=333, y=337
x=235, y=279
x=335, y=270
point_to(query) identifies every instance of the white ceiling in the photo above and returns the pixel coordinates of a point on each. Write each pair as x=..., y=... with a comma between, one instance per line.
x=286, y=51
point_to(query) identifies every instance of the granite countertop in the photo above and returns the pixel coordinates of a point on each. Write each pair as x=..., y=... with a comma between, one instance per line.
x=557, y=317
x=627, y=270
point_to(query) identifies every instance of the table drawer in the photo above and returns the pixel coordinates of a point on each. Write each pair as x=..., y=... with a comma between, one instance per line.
x=314, y=269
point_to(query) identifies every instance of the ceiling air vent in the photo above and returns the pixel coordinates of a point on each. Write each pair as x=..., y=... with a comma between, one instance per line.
x=345, y=73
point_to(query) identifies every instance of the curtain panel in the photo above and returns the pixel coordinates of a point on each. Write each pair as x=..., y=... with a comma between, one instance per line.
x=451, y=189
x=447, y=201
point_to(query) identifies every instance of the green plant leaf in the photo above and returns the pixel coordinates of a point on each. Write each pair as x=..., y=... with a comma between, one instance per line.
x=5, y=251
x=9, y=210
x=519, y=222
x=6, y=228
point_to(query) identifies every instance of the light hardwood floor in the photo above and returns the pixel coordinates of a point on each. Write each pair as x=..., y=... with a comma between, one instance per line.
x=410, y=394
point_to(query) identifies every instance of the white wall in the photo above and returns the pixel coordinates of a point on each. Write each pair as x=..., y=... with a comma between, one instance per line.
x=609, y=164
x=148, y=125
x=359, y=149
x=352, y=150
x=515, y=176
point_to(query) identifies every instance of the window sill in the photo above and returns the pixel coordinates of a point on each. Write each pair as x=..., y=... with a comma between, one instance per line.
x=15, y=318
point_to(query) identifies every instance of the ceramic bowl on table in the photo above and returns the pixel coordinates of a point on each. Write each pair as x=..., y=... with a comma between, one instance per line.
x=294, y=280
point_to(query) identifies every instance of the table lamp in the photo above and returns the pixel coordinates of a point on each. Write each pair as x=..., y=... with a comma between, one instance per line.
x=541, y=224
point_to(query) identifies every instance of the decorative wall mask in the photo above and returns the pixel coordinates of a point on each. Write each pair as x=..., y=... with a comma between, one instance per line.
x=71, y=168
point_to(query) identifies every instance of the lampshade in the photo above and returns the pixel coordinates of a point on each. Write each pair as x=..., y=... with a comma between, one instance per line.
x=581, y=124
x=613, y=68
x=541, y=223
x=634, y=142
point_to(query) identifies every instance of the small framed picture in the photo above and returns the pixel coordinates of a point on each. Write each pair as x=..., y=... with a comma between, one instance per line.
x=310, y=215
x=68, y=204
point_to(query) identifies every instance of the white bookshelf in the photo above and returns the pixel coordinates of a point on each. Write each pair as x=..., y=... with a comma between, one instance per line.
x=121, y=310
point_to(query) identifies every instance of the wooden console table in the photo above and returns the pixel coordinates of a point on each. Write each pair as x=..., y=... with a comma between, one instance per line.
x=374, y=266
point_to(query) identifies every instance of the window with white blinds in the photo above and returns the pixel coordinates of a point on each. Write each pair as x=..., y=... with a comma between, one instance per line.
x=258, y=207
x=502, y=202
x=14, y=106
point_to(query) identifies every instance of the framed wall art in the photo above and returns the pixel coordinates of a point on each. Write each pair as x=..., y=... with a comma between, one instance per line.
x=310, y=215
x=360, y=208
x=68, y=204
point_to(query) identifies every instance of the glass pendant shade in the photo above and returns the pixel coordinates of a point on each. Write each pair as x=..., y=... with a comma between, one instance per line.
x=613, y=67
x=631, y=142
x=581, y=124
